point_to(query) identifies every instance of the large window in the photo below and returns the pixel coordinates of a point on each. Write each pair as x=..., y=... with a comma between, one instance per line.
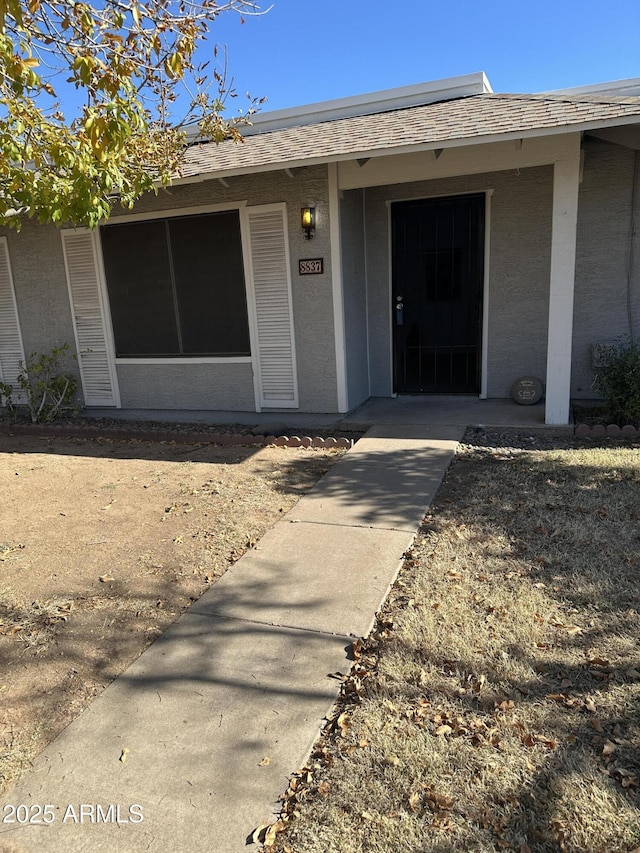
x=176, y=286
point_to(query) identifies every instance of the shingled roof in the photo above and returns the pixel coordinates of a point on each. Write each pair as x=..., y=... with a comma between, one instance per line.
x=477, y=118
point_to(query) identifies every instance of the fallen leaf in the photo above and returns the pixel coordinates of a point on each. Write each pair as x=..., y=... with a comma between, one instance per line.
x=627, y=778
x=414, y=801
x=589, y=704
x=609, y=748
x=444, y=730
x=124, y=754
x=546, y=741
x=106, y=579
x=391, y=760
x=264, y=763
x=266, y=833
x=258, y=834
x=442, y=801
x=339, y=676
x=324, y=788
x=343, y=722
x=479, y=683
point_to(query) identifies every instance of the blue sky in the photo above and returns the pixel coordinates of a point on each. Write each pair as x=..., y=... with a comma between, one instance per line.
x=304, y=51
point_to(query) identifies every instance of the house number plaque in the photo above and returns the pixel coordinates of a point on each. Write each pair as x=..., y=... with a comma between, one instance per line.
x=311, y=266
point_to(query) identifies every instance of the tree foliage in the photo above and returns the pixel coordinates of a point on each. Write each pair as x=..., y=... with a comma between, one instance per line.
x=127, y=61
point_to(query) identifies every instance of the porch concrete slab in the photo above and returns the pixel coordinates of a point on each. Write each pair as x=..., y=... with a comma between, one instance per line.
x=437, y=410
x=198, y=711
x=316, y=577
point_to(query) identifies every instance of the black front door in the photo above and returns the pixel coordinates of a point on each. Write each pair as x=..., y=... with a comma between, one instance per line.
x=437, y=273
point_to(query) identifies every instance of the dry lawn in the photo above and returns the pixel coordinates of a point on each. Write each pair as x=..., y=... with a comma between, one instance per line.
x=496, y=706
x=102, y=545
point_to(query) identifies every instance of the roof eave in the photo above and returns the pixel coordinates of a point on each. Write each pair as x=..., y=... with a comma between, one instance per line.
x=559, y=130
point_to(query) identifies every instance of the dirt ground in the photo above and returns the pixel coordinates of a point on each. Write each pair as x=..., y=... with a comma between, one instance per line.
x=102, y=545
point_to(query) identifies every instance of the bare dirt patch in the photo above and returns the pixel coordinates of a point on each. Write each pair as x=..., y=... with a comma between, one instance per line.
x=496, y=704
x=102, y=545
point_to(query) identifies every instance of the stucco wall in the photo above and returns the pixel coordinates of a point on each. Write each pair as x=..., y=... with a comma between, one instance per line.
x=43, y=302
x=519, y=259
x=42, y=296
x=187, y=386
x=355, y=296
x=601, y=311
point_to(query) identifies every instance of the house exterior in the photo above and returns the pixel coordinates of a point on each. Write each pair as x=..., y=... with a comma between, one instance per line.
x=463, y=239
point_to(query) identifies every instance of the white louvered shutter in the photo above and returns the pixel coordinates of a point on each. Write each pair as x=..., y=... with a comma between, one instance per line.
x=97, y=369
x=11, y=348
x=273, y=316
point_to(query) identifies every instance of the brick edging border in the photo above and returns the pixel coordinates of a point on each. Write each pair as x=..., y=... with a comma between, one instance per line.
x=610, y=431
x=179, y=437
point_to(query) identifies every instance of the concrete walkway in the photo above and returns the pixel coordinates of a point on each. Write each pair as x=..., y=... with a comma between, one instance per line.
x=242, y=676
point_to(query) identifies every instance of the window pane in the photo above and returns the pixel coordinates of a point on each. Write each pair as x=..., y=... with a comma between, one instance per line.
x=206, y=253
x=139, y=283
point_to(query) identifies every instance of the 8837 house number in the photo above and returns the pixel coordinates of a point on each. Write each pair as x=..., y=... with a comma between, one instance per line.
x=311, y=266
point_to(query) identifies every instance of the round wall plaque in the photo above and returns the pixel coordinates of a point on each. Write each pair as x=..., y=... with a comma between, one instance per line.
x=527, y=390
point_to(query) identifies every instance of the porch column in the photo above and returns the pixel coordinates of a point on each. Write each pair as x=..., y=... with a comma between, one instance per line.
x=566, y=183
x=338, y=300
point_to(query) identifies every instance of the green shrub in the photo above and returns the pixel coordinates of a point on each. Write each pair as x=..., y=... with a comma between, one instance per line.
x=45, y=387
x=618, y=379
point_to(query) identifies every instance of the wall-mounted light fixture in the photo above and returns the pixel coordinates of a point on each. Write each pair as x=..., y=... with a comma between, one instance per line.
x=308, y=220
